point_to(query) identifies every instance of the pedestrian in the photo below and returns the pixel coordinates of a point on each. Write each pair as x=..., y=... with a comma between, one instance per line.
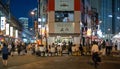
x=19, y=49
x=108, y=47
x=12, y=49
x=0, y=47
x=81, y=49
x=59, y=50
x=103, y=45
x=9, y=48
x=53, y=50
x=116, y=43
x=95, y=54
x=4, y=54
x=69, y=48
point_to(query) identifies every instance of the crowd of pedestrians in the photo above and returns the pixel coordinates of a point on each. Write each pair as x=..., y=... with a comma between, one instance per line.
x=105, y=47
x=53, y=49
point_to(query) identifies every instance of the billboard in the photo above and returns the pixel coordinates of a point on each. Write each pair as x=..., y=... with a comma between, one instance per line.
x=64, y=27
x=11, y=31
x=64, y=5
x=3, y=22
x=7, y=29
x=16, y=33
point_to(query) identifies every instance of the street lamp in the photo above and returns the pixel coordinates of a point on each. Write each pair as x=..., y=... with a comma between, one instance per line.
x=32, y=13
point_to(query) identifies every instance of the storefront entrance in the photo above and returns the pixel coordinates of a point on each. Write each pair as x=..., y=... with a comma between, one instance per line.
x=63, y=41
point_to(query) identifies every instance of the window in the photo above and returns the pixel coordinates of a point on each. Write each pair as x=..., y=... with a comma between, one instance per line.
x=64, y=16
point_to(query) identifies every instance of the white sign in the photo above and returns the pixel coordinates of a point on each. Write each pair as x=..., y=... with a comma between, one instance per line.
x=64, y=5
x=3, y=22
x=11, y=31
x=7, y=29
x=64, y=27
x=16, y=33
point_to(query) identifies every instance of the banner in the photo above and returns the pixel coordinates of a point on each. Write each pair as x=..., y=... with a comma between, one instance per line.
x=3, y=22
x=64, y=27
x=11, y=31
x=7, y=29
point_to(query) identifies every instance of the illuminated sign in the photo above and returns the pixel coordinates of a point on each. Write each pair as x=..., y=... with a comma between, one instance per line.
x=7, y=29
x=16, y=33
x=3, y=22
x=11, y=31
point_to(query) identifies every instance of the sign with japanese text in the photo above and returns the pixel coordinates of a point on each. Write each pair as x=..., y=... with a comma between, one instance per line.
x=64, y=27
x=64, y=5
x=7, y=29
x=3, y=22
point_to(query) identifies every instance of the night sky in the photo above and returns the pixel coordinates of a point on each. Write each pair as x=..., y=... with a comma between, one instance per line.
x=22, y=8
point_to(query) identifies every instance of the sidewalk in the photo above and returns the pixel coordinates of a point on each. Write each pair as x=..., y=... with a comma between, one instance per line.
x=19, y=60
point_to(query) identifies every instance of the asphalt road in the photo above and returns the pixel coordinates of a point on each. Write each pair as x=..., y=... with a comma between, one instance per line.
x=59, y=62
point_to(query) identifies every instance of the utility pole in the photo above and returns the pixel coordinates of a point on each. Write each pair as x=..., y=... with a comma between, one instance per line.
x=9, y=17
x=39, y=22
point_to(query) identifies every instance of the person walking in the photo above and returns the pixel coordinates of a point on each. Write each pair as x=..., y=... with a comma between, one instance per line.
x=116, y=44
x=12, y=49
x=103, y=48
x=81, y=49
x=95, y=54
x=5, y=54
x=108, y=47
x=69, y=48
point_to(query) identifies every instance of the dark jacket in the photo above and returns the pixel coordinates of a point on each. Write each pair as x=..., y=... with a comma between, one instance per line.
x=5, y=50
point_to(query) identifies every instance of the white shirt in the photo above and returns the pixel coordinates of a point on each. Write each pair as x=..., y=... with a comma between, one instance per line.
x=41, y=48
x=59, y=48
x=36, y=47
x=73, y=48
x=52, y=49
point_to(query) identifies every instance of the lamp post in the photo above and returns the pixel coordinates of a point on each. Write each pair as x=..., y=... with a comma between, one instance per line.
x=32, y=15
x=9, y=18
x=39, y=22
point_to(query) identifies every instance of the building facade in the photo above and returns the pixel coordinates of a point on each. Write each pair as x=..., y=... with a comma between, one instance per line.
x=10, y=27
x=24, y=22
x=63, y=22
x=109, y=15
